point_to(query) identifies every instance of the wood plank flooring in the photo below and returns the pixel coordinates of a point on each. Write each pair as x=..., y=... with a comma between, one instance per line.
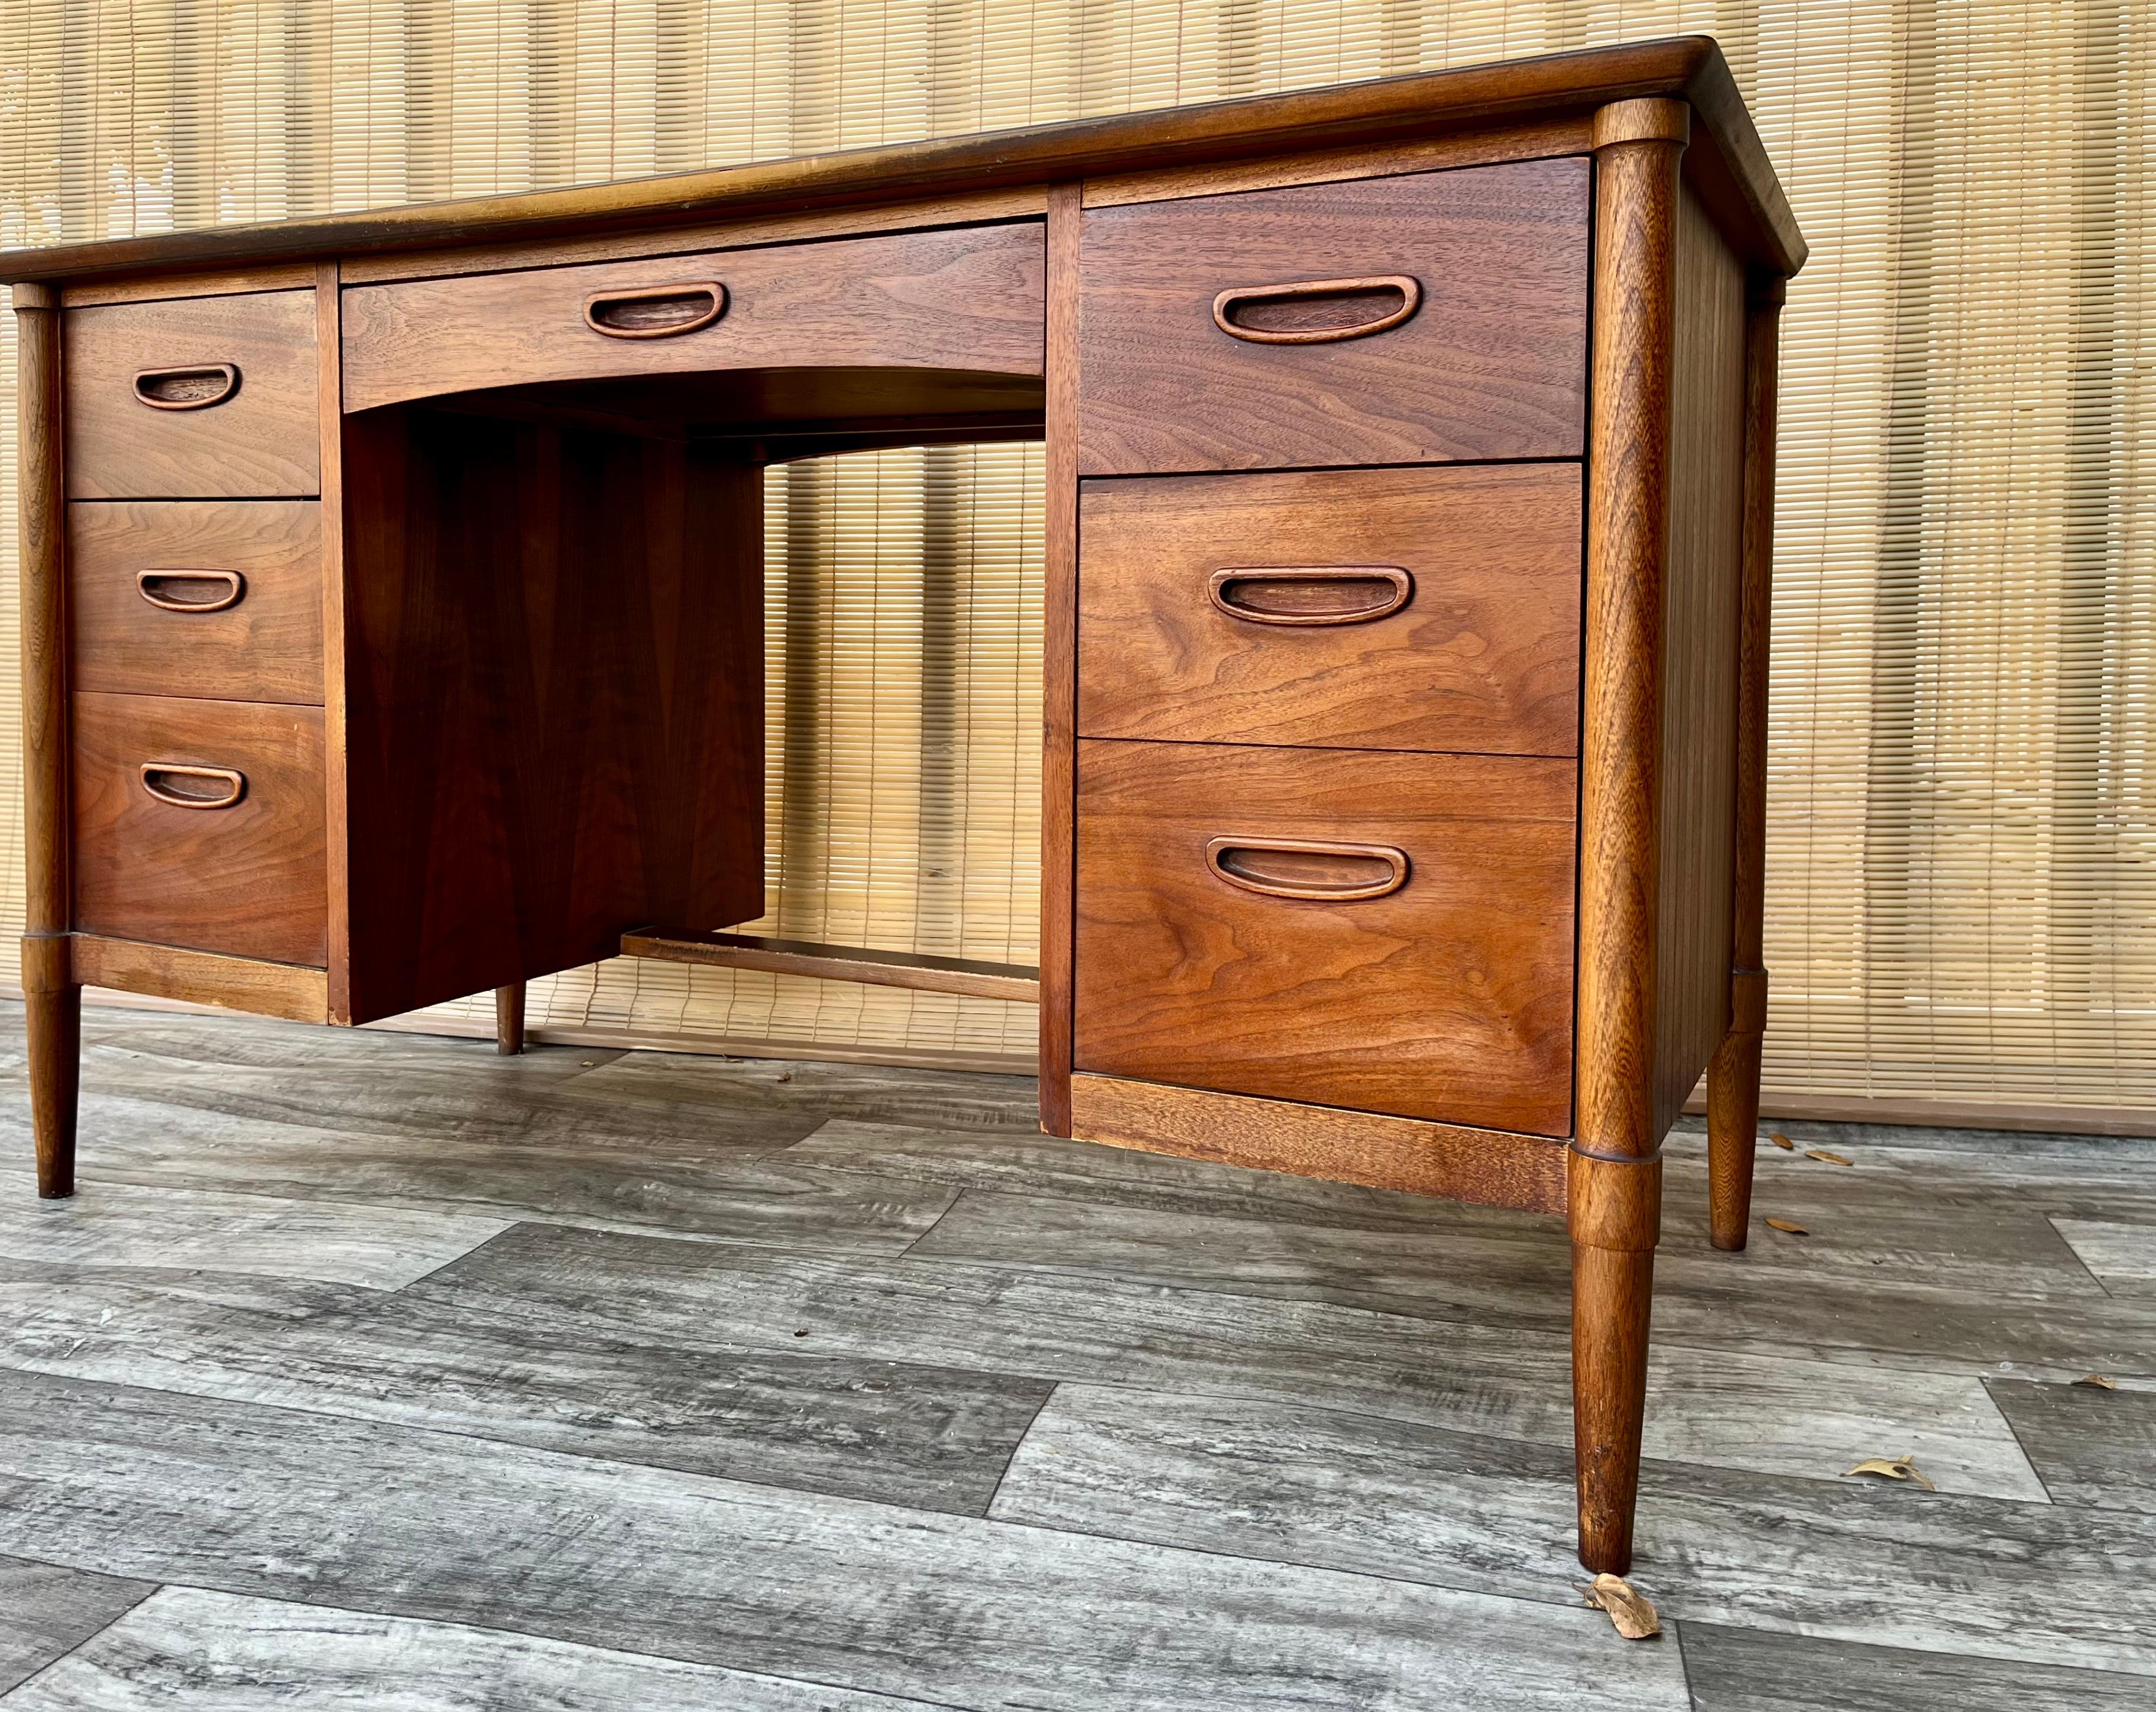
x=376, y=1371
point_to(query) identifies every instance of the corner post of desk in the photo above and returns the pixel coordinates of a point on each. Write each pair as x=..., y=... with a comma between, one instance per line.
x=1614, y=1172
x=52, y=998
x=1732, y=1083
x=1059, y=660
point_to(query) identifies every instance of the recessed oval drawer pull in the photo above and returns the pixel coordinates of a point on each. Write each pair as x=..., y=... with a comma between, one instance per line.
x=1293, y=867
x=1311, y=594
x=1316, y=312
x=185, y=787
x=657, y=311
x=191, y=591
x=195, y=387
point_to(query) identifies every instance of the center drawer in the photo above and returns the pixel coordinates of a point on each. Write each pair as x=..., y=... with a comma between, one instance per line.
x=1391, y=933
x=1421, y=608
x=202, y=824
x=965, y=298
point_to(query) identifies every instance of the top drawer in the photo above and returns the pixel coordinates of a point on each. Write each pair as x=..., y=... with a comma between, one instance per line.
x=1194, y=355
x=961, y=298
x=196, y=397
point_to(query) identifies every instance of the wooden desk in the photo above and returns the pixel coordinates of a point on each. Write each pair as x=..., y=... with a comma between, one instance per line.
x=393, y=586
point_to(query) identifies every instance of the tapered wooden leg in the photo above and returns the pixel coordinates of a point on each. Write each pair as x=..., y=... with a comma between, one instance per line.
x=53, y=1004
x=1612, y=1294
x=508, y=1019
x=1733, y=1112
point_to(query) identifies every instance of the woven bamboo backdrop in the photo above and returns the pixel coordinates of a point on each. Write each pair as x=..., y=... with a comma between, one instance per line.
x=1963, y=855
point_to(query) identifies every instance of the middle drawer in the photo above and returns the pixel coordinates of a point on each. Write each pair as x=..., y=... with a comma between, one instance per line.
x=1433, y=608
x=220, y=598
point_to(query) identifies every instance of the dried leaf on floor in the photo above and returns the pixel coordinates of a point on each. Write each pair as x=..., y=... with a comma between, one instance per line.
x=1893, y=1468
x=1820, y=1153
x=1631, y=1611
x=1783, y=1142
x=2101, y=1381
x=1789, y=1225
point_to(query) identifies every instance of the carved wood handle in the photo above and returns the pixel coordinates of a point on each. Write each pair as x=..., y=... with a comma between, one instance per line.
x=191, y=591
x=185, y=787
x=1294, y=868
x=655, y=311
x=1311, y=594
x=1316, y=312
x=194, y=388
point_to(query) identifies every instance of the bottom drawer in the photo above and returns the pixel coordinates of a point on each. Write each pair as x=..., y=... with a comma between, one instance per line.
x=200, y=823
x=1417, y=961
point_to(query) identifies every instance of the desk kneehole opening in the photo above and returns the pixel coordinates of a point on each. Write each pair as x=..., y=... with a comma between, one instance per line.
x=180, y=786
x=1296, y=868
x=1316, y=312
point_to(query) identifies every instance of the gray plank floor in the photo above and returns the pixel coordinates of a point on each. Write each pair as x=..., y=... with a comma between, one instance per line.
x=377, y=1371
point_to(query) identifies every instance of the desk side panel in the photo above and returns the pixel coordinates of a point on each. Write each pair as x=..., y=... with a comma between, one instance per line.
x=554, y=683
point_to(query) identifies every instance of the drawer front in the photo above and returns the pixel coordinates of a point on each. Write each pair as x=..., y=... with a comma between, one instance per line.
x=198, y=597
x=250, y=878
x=1490, y=362
x=1431, y=608
x=194, y=397
x=1444, y=991
x=967, y=298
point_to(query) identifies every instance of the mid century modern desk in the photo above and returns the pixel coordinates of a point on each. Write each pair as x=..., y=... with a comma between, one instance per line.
x=391, y=585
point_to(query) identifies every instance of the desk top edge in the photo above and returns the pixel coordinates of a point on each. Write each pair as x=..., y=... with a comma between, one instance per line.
x=1384, y=110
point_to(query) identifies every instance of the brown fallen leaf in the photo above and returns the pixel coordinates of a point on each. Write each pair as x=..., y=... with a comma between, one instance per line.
x=1892, y=1468
x=1820, y=1153
x=1631, y=1611
x=2098, y=1380
x=1784, y=1224
x=1783, y=1142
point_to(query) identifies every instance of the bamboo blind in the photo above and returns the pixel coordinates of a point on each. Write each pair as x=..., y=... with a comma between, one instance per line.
x=1961, y=852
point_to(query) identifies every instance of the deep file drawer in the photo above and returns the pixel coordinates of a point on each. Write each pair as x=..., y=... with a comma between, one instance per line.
x=1388, y=932
x=1430, y=317
x=202, y=824
x=219, y=599
x=193, y=398
x=1421, y=608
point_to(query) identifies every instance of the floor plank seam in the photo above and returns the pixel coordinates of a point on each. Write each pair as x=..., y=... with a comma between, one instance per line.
x=2021, y=1444
x=987, y=1510
x=2079, y=1260
x=133, y=1605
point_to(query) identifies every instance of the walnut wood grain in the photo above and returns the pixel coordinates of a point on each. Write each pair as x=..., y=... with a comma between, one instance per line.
x=328, y=430
x=1491, y=365
x=1058, y=665
x=1730, y=164
x=967, y=298
x=508, y=1019
x=1733, y=1077
x=247, y=880
x=259, y=443
x=1700, y=677
x=1449, y=999
x=1616, y=1172
x=264, y=645
x=1493, y=1167
x=1484, y=656
x=263, y=989
x=52, y=1000
x=827, y=962
x=230, y=282
x=554, y=675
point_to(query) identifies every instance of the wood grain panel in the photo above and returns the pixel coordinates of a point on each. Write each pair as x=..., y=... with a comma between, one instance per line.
x=287, y=990
x=555, y=687
x=1490, y=1167
x=1451, y=999
x=258, y=444
x=1492, y=365
x=1059, y=661
x=1485, y=655
x=967, y=298
x=249, y=880
x=266, y=647
x=1701, y=597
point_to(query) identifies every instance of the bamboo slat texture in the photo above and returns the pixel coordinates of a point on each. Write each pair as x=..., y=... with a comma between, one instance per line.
x=1962, y=848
